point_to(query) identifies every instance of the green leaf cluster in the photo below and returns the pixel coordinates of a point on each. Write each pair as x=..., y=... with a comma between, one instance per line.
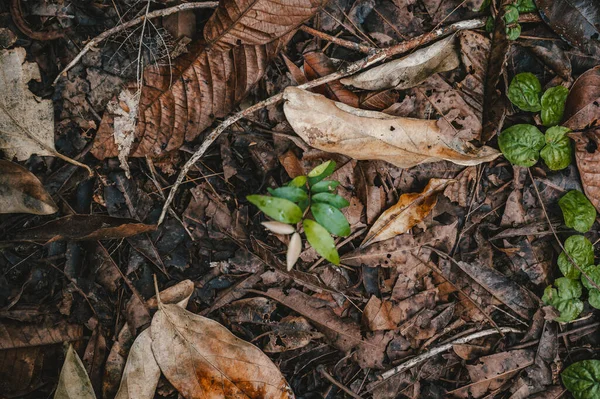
x=290, y=204
x=523, y=144
x=582, y=379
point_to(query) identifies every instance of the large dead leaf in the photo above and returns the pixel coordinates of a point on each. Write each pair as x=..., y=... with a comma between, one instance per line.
x=582, y=108
x=405, y=142
x=205, y=84
x=587, y=156
x=19, y=335
x=22, y=192
x=202, y=359
x=74, y=382
x=411, y=70
x=141, y=373
x=410, y=210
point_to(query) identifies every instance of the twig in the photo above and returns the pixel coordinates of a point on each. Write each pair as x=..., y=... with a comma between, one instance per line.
x=335, y=382
x=119, y=28
x=340, y=42
x=350, y=69
x=436, y=351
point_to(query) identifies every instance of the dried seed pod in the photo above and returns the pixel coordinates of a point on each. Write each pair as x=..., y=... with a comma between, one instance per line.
x=278, y=227
x=293, y=252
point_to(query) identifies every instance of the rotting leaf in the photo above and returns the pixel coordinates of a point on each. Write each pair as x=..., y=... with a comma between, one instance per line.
x=581, y=250
x=582, y=108
x=578, y=211
x=200, y=357
x=521, y=144
x=587, y=156
x=409, y=210
x=73, y=382
x=582, y=379
x=316, y=65
x=22, y=192
x=360, y=134
x=557, y=151
x=411, y=70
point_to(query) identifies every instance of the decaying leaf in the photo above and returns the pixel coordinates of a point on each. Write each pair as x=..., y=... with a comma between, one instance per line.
x=405, y=142
x=141, y=373
x=22, y=192
x=410, y=210
x=587, y=156
x=73, y=382
x=582, y=108
x=201, y=359
x=85, y=228
x=387, y=315
x=179, y=101
x=411, y=70
x=19, y=335
x=316, y=65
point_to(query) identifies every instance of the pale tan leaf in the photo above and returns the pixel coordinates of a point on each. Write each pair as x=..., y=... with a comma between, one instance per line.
x=202, y=359
x=293, y=252
x=141, y=373
x=405, y=142
x=411, y=70
x=22, y=192
x=410, y=210
x=73, y=382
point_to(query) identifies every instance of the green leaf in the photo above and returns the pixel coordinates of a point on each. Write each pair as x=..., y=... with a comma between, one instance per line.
x=553, y=105
x=333, y=199
x=582, y=379
x=565, y=298
x=557, y=151
x=593, y=272
x=511, y=14
x=581, y=251
x=513, y=32
x=325, y=186
x=524, y=92
x=526, y=6
x=279, y=209
x=320, y=172
x=321, y=241
x=578, y=211
x=594, y=298
x=521, y=144
x=331, y=218
x=294, y=194
x=489, y=24
x=298, y=181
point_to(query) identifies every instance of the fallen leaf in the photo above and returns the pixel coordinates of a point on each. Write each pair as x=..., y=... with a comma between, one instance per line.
x=141, y=372
x=387, y=315
x=410, y=210
x=202, y=358
x=73, y=382
x=582, y=108
x=19, y=335
x=411, y=70
x=22, y=192
x=587, y=156
x=576, y=21
x=316, y=65
x=290, y=333
x=85, y=228
x=403, y=142
x=179, y=101
x=180, y=24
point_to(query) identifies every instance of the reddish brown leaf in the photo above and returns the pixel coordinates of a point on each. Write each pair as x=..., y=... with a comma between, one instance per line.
x=582, y=108
x=317, y=64
x=378, y=100
x=21, y=191
x=18, y=335
x=587, y=156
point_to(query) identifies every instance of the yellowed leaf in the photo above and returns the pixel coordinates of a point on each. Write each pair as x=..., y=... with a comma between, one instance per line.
x=410, y=210
x=22, y=192
x=73, y=382
x=405, y=142
x=202, y=359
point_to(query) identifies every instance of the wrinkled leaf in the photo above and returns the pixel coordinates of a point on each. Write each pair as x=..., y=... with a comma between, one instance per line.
x=581, y=250
x=594, y=298
x=582, y=379
x=22, y=192
x=331, y=218
x=557, y=151
x=404, y=142
x=294, y=194
x=553, y=105
x=322, y=171
x=331, y=199
x=319, y=238
x=409, y=210
x=524, y=91
x=411, y=70
x=578, y=211
x=200, y=357
x=521, y=144
x=280, y=209
x=565, y=298
x=526, y=6
x=592, y=272
x=73, y=382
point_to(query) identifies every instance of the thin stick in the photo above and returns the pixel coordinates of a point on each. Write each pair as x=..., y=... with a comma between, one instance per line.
x=119, y=28
x=335, y=382
x=443, y=348
x=340, y=42
x=350, y=69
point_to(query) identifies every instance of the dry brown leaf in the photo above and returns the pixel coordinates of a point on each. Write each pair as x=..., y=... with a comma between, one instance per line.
x=178, y=103
x=405, y=142
x=181, y=24
x=410, y=210
x=22, y=192
x=73, y=382
x=387, y=315
x=582, y=108
x=587, y=156
x=411, y=70
x=141, y=373
x=18, y=335
x=202, y=359
x=316, y=65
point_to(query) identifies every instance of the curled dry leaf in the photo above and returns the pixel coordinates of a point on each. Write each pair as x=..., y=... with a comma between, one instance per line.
x=410, y=210
x=405, y=142
x=582, y=108
x=179, y=101
x=201, y=359
x=22, y=192
x=73, y=382
x=411, y=70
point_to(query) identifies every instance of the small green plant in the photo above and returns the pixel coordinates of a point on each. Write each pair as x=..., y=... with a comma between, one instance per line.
x=578, y=256
x=523, y=144
x=582, y=379
x=310, y=201
x=511, y=17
